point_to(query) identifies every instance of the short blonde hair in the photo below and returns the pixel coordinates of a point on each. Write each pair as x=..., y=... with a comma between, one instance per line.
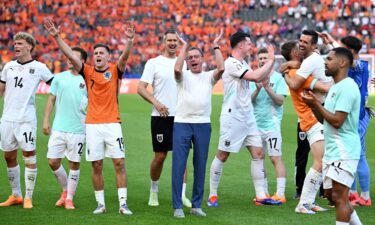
x=27, y=37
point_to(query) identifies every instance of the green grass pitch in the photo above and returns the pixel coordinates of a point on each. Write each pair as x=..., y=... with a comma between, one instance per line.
x=235, y=192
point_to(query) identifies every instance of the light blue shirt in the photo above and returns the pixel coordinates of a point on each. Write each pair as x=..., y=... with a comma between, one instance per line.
x=268, y=115
x=343, y=143
x=71, y=102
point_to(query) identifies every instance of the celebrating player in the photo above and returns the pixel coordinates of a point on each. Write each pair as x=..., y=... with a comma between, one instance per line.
x=103, y=129
x=68, y=92
x=19, y=82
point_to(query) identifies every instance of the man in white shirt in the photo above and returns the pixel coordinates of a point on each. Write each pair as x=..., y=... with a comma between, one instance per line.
x=192, y=124
x=18, y=84
x=237, y=122
x=158, y=72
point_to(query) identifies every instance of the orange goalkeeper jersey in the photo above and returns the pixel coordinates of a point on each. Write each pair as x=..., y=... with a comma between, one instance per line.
x=306, y=116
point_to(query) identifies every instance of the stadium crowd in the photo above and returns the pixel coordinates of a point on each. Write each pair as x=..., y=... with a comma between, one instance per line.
x=199, y=21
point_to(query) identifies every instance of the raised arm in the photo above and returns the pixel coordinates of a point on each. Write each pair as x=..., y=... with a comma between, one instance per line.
x=328, y=40
x=180, y=59
x=55, y=33
x=218, y=57
x=47, y=114
x=129, y=33
x=259, y=74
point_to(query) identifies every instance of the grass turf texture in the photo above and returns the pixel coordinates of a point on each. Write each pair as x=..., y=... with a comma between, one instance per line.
x=236, y=190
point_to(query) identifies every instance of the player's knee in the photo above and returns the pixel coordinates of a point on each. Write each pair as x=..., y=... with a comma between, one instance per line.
x=29, y=160
x=159, y=158
x=74, y=165
x=259, y=155
x=337, y=198
x=119, y=165
x=97, y=166
x=222, y=156
x=54, y=164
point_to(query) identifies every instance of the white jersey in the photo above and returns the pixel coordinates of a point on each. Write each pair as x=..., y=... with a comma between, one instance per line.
x=21, y=83
x=314, y=65
x=194, y=97
x=237, y=92
x=159, y=72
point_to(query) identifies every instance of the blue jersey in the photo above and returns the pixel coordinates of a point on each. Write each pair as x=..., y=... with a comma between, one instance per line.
x=360, y=75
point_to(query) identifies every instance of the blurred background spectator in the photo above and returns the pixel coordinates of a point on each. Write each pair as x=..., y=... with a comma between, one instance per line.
x=85, y=22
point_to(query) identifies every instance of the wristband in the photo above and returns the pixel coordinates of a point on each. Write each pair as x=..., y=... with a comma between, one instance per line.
x=217, y=47
x=313, y=84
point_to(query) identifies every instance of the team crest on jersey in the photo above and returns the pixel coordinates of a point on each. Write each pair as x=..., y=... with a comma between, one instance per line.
x=333, y=95
x=227, y=143
x=32, y=71
x=302, y=135
x=107, y=75
x=239, y=66
x=82, y=85
x=272, y=84
x=160, y=138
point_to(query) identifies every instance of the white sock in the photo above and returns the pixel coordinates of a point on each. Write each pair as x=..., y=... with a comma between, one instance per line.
x=354, y=219
x=183, y=190
x=215, y=175
x=365, y=195
x=257, y=173
x=14, y=180
x=61, y=177
x=99, y=196
x=266, y=185
x=122, y=195
x=341, y=223
x=281, y=183
x=154, y=186
x=309, y=189
x=30, y=178
x=72, y=183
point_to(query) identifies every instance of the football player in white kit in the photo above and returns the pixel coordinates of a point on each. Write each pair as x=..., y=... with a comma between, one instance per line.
x=237, y=122
x=18, y=84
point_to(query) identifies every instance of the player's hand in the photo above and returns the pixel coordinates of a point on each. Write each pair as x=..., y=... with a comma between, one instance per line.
x=327, y=38
x=310, y=99
x=50, y=27
x=218, y=38
x=271, y=52
x=46, y=128
x=129, y=30
x=162, y=109
x=181, y=41
x=259, y=85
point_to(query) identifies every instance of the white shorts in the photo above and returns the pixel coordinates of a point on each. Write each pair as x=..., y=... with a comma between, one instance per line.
x=315, y=133
x=271, y=142
x=235, y=134
x=104, y=140
x=63, y=144
x=16, y=135
x=342, y=172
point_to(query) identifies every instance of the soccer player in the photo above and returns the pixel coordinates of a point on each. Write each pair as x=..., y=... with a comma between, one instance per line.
x=360, y=74
x=268, y=98
x=312, y=64
x=192, y=124
x=103, y=129
x=237, y=121
x=343, y=147
x=290, y=52
x=68, y=92
x=19, y=81
x=159, y=73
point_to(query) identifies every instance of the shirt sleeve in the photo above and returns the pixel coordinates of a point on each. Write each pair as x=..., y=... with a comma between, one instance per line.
x=54, y=85
x=46, y=74
x=236, y=69
x=148, y=72
x=306, y=69
x=281, y=88
x=344, y=100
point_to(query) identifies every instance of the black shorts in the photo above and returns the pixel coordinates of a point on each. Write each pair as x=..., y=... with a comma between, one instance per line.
x=162, y=133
